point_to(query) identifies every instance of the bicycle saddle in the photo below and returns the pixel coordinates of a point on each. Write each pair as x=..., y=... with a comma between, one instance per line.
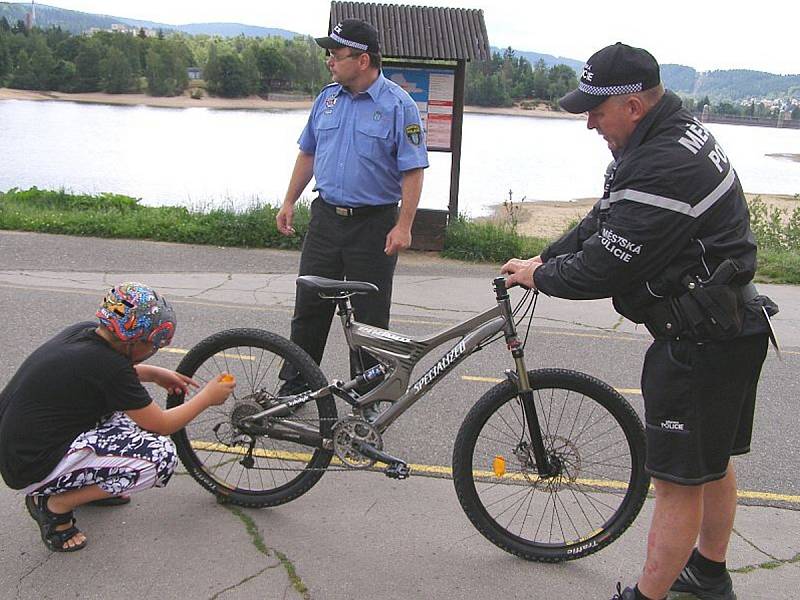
x=335, y=286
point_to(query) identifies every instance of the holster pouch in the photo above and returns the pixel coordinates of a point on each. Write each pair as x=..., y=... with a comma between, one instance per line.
x=709, y=310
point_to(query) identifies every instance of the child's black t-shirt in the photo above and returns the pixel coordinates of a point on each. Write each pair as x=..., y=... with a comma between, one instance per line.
x=61, y=390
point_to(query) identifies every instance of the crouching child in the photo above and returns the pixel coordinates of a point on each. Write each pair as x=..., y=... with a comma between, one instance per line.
x=78, y=427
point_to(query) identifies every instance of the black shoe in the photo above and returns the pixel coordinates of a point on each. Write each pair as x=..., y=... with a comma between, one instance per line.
x=292, y=387
x=692, y=581
x=627, y=594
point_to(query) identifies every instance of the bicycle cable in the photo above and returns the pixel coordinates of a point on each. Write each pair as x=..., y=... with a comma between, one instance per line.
x=526, y=304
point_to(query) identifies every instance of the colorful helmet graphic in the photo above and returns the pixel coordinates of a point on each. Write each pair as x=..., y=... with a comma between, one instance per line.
x=135, y=312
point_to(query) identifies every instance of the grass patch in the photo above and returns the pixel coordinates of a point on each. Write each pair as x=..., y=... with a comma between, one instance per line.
x=778, y=234
x=117, y=216
x=488, y=242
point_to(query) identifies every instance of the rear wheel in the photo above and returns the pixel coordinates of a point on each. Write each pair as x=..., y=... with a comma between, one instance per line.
x=241, y=467
x=592, y=436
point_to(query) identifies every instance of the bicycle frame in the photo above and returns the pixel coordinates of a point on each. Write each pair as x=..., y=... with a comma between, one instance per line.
x=400, y=353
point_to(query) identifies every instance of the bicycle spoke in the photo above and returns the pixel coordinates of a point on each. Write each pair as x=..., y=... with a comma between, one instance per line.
x=592, y=459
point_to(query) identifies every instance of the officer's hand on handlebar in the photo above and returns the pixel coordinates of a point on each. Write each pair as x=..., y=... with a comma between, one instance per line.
x=520, y=272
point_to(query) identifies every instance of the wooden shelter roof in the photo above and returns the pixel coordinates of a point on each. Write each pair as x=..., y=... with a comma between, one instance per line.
x=421, y=32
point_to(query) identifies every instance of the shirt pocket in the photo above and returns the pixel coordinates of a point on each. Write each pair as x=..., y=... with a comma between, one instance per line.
x=327, y=126
x=372, y=140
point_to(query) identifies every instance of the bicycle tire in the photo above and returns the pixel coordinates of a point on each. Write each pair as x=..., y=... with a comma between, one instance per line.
x=254, y=357
x=600, y=443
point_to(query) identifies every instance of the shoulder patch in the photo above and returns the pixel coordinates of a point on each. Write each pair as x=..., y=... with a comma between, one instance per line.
x=414, y=134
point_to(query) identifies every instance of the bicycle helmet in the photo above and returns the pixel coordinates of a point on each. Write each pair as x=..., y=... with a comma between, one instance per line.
x=135, y=312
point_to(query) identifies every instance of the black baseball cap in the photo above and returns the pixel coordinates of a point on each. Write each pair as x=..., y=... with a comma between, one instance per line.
x=352, y=33
x=613, y=71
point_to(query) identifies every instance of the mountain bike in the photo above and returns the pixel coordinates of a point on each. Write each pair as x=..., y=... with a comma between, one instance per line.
x=548, y=465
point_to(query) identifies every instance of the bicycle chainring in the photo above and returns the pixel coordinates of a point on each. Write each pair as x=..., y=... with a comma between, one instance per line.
x=348, y=431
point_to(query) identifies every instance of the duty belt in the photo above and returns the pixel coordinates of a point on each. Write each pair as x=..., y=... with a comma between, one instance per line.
x=356, y=211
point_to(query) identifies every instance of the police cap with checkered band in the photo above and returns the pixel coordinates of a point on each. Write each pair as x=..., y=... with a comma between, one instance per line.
x=613, y=71
x=352, y=33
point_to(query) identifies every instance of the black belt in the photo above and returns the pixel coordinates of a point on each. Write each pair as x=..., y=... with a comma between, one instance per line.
x=356, y=211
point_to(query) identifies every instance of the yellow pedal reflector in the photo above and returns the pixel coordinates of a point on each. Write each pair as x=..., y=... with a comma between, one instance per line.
x=499, y=465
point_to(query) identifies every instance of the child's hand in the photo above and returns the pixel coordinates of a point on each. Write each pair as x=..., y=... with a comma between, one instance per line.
x=218, y=389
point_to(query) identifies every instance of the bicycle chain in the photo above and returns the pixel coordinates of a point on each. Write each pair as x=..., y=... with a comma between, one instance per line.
x=328, y=468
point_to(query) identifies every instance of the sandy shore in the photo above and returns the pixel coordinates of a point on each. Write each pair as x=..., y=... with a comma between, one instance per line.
x=249, y=103
x=185, y=101
x=550, y=219
x=787, y=156
x=516, y=111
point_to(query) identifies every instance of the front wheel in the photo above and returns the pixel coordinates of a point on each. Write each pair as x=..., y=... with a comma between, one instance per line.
x=596, y=444
x=242, y=467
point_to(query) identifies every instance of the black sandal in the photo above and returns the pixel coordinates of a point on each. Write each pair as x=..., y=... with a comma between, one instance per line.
x=48, y=521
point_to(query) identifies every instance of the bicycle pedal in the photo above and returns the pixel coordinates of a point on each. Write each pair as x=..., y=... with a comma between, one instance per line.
x=398, y=470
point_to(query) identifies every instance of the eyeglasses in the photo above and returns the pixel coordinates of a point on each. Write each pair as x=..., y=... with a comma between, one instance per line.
x=336, y=59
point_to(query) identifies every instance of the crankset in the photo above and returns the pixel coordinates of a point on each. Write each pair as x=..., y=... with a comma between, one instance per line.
x=348, y=436
x=359, y=445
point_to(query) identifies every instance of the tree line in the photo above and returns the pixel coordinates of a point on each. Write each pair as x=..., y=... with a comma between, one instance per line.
x=507, y=77
x=117, y=63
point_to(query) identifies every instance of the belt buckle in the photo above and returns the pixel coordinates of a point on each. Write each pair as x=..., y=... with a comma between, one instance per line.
x=344, y=211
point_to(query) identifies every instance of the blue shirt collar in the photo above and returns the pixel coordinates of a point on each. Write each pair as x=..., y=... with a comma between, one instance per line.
x=374, y=90
x=377, y=87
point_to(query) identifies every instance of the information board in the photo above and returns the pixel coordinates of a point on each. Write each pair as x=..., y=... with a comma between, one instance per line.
x=433, y=91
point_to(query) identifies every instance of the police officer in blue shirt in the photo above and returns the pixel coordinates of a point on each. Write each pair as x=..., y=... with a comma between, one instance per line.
x=364, y=145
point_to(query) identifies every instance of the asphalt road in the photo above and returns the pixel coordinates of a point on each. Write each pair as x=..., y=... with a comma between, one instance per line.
x=46, y=285
x=358, y=535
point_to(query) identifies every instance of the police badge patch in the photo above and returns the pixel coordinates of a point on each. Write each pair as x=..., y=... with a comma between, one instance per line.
x=414, y=133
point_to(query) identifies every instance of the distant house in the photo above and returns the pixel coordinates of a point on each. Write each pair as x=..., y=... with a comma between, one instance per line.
x=280, y=84
x=194, y=73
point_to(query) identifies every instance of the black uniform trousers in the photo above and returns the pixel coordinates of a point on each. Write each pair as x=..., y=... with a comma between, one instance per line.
x=344, y=247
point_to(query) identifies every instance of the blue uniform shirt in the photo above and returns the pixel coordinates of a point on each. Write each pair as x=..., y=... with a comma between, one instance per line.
x=363, y=143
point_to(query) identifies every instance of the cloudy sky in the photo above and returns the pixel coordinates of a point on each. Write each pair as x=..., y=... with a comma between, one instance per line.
x=706, y=35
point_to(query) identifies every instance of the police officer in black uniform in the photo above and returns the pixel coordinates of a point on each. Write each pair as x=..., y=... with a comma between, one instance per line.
x=670, y=241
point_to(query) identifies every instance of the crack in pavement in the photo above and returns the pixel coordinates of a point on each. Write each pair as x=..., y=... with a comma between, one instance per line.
x=261, y=546
x=422, y=307
x=753, y=545
x=770, y=564
x=366, y=512
x=228, y=278
x=245, y=580
x=35, y=568
x=269, y=280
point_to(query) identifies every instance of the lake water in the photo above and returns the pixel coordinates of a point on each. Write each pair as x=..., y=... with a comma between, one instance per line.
x=203, y=157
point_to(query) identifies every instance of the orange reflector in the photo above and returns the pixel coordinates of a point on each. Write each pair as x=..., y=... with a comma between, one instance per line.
x=226, y=378
x=499, y=465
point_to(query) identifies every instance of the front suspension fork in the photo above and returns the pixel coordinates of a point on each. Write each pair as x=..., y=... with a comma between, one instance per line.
x=525, y=394
x=543, y=465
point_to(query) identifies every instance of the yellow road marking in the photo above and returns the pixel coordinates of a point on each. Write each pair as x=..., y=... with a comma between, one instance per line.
x=417, y=468
x=441, y=471
x=222, y=354
x=496, y=380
